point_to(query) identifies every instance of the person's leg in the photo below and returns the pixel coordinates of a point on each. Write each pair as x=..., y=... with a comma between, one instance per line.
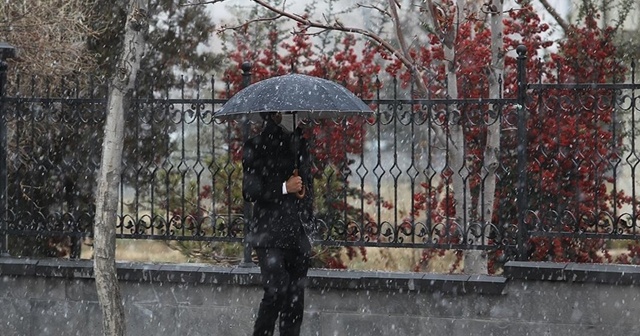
x=274, y=281
x=297, y=264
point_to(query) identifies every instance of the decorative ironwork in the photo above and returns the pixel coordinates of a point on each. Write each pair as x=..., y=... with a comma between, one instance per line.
x=390, y=187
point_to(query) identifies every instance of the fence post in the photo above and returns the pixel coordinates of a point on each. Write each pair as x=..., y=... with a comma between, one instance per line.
x=522, y=153
x=247, y=210
x=6, y=51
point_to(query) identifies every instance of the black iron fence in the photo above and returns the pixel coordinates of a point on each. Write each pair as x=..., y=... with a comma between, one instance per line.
x=565, y=167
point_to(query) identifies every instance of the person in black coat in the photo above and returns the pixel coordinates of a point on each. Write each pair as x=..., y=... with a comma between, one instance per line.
x=276, y=231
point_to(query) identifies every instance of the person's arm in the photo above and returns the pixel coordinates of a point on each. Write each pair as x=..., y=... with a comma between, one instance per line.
x=254, y=186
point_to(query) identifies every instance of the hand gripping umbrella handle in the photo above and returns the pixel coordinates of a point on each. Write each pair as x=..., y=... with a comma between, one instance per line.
x=299, y=194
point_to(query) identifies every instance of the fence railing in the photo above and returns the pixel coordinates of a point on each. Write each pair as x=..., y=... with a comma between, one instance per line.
x=567, y=166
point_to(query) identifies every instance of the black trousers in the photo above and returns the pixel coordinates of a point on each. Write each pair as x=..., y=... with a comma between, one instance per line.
x=283, y=276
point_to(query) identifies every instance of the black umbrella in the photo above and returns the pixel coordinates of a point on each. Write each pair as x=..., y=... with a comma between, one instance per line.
x=305, y=97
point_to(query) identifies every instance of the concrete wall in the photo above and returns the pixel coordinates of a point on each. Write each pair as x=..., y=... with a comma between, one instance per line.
x=54, y=297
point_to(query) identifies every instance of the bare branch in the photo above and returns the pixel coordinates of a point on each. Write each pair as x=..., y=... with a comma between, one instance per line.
x=341, y=27
x=320, y=32
x=563, y=24
x=244, y=24
x=380, y=10
x=32, y=26
x=198, y=3
x=403, y=42
x=398, y=29
x=326, y=19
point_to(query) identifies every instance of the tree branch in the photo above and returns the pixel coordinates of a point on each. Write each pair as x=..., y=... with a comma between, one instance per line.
x=563, y=24
x=380, y=10
x=403, y=44
x=197, y=3
x=340, y=27
x=225, y=27
x=399, y=32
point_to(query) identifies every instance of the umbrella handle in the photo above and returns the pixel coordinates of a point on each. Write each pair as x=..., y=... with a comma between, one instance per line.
x=299, y=194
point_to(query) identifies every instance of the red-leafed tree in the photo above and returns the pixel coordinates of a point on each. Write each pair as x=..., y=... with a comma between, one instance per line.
x=574, y=145
x=489, y=185
x=576, y=148
x=570, y=148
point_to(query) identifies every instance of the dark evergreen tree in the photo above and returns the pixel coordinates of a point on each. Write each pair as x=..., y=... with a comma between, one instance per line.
x=178, y=41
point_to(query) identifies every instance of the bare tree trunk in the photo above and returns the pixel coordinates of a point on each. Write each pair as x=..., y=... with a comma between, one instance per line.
x=474, y=261
x=492, y=148
x=113, y=321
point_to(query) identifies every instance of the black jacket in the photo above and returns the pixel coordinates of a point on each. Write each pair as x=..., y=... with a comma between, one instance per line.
x=268, y=160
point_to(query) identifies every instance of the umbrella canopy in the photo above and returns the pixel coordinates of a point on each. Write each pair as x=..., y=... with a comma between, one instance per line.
x=305, y=96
